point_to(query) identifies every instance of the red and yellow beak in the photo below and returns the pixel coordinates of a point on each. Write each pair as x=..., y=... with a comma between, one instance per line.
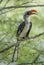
x=33, y=11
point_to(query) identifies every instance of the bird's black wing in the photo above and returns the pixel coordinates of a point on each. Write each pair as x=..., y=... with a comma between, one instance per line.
x=20, y=28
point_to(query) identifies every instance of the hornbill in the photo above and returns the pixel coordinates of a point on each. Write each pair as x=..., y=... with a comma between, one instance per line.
x=25, y=27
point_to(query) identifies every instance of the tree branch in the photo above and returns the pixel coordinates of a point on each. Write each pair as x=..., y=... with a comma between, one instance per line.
x=6, y=2
x=6, y=11
x=36, y=58
x=9, y=7
x=7, y=48
x=13, y=54
x=38, y=35
x=31, y=63
x=33, y=37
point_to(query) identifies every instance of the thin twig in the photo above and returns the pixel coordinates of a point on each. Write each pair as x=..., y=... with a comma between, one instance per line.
x=9, y=7
x=36, y=58
x=33, y=37
x=7, y=48
x=6, y=2
x=13, y=54
x=12, y=9
x=6, y=11
x=31, y=63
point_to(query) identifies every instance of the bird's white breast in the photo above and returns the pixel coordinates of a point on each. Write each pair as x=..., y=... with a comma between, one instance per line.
x=26, y=28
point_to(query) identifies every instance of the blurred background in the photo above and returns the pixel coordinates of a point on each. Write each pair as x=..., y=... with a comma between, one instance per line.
x=31, y=52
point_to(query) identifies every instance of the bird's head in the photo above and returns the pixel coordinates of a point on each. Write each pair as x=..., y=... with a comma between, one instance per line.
x=30, y=12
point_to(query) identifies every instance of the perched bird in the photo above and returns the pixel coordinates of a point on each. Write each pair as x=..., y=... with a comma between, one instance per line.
x=23, y=30
x=25, y=27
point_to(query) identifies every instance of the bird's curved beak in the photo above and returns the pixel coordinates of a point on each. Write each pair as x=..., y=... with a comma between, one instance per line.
x=34, y=12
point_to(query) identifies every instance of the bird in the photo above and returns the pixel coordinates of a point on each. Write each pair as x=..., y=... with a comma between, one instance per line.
x=25, y=27
x=23, y=30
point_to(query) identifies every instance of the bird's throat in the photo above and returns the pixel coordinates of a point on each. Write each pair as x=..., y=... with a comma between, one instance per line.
x=27, y=20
